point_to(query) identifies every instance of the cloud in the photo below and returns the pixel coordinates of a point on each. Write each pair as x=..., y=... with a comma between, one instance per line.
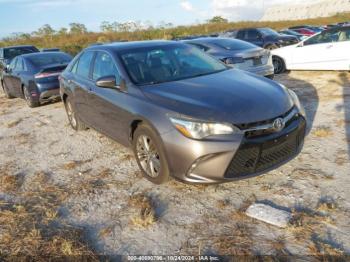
x=186, y=5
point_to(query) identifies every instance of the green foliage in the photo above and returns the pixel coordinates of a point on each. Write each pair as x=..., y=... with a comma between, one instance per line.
x=218, y=19
x=77, y=37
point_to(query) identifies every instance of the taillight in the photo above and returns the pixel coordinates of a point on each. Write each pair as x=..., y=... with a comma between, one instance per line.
x=44, y=75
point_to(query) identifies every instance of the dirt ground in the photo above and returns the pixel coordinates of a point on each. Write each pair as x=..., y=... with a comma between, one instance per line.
x=84, y=193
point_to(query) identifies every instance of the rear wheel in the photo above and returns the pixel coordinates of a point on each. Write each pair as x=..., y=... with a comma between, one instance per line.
x=150, y=155
x=29, y=99
x=279, y=65
x=74, y=120
x=6, y=91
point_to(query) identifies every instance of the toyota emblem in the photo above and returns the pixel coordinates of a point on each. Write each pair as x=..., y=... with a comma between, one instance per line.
x=278, y=124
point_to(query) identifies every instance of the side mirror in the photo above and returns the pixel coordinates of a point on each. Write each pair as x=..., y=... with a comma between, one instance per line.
x=107, y=82
x=111, y=82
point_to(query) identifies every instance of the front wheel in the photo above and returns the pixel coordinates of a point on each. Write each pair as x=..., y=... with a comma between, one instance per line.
x=279, y=65
x=150, y=155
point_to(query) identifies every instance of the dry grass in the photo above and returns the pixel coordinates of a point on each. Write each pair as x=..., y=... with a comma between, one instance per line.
x=22, y=138
x=223, y=203
x=13, y=123
x=320, y=248
x=71, y=165
x=341, y=157
x=9, y=182
x=32, y=226
x=322, y=131
x=327, y=204
x=146, y=215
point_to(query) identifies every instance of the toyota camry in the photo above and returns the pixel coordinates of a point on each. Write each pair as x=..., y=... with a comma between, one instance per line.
x=183, y=113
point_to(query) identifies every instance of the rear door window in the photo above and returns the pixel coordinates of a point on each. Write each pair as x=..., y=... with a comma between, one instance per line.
x=84, y=65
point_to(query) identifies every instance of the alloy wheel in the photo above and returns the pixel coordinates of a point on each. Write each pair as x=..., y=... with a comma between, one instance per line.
x=148, y=156
x=277, y=64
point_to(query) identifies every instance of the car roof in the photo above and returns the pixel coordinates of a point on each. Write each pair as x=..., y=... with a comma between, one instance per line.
x=119, y=46
x=17, y=46
x=210, y=39
x=40, y=53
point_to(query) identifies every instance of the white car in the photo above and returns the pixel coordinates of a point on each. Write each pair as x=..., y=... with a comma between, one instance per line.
x=328, y=50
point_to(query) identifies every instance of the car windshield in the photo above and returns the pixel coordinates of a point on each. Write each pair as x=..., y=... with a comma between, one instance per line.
x=45, y=59
x=230, y=44
x=168, y=63
x=268, y=31
x=12, y=52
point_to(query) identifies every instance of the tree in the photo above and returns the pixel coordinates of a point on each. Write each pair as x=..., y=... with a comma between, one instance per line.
x=77, y=28
x=218, y=19
x=45, y=30
x=107, y=26
x=63, y=31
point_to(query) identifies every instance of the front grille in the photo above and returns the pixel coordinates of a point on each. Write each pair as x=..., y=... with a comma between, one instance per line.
x=258, y=155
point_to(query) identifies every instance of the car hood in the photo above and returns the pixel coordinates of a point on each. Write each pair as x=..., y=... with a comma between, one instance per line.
x=230, y=96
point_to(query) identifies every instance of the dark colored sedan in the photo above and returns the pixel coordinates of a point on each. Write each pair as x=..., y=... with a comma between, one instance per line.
x=9, y=53
x=34, y=77
x=184, y=113
x=266, y=38
x=238, y=54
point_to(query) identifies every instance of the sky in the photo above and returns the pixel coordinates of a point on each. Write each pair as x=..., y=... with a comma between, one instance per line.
x=28, y=15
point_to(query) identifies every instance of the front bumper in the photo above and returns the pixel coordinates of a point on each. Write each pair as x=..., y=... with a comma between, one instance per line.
x=238, y=157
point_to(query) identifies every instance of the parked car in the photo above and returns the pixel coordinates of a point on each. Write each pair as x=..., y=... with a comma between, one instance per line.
x=50, y=50
x=265, y=37
x=239, y=54
x=9, y=53
x=34, y=77
x=304, y=31
x=293, y=33
x=315, y=29
x=184, y=113
x=328, y=50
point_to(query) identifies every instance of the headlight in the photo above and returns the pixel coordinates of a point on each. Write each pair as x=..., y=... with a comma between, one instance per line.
x=296, y=102
x=199, y=130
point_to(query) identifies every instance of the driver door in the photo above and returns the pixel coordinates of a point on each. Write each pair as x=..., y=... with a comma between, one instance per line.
x=315, y=53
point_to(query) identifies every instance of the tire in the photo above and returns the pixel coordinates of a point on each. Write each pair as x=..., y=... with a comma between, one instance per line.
x=152, y=160
x=270, y=76
x=29, y=99
x=74, y=120
x=271, y=47
x=279, y=65
x=6, y=91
